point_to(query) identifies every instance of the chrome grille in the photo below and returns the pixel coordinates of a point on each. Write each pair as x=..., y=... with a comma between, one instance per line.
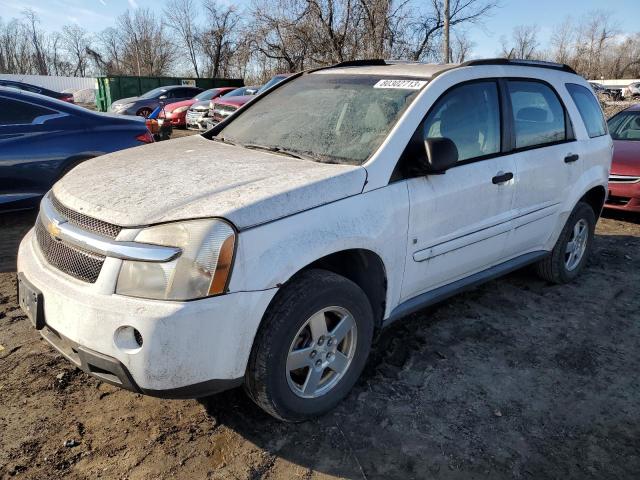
x=83, y=221
x=613, y=178
x=221, y=112
x=78, y=263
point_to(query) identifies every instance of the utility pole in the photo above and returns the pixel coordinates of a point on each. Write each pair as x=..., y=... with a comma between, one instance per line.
x=445, y=47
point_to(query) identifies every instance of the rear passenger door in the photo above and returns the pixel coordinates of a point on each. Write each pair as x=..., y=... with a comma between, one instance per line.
x=547, y=161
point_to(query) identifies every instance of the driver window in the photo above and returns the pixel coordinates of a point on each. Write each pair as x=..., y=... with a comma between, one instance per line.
x=469, y=115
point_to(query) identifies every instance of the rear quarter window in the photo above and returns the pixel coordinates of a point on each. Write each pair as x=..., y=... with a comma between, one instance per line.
x=589, y=109
x=15, y=112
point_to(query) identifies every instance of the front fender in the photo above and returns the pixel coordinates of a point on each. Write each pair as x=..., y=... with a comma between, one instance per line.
x=270, y=254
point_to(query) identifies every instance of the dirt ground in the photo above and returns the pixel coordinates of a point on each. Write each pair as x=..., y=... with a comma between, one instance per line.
x=515, y=379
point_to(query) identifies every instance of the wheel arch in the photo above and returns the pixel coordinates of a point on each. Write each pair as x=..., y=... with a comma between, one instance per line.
x=363, y=267
x=595, y=198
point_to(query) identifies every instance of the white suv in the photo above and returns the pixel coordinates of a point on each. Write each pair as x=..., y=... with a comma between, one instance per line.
x=268, y=251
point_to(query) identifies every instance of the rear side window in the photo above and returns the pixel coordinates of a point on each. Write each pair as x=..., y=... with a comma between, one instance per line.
x=589, y=109
x=469, y=115
x=14, y=112
x=539, y=117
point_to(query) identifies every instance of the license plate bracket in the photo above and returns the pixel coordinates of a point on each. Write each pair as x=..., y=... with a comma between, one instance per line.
x=31, y=302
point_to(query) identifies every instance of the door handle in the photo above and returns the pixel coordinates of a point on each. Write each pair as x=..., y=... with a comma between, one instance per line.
x=571, y=158
x=502, y=177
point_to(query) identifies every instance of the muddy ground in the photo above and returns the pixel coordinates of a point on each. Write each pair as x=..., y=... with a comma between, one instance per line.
x=515, y=379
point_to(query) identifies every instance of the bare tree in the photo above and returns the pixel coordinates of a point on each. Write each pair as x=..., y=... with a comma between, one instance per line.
x=75, y=41
x=280, y=33
x=36, y=36
x=15, y=48
x=220, y=38
x=145, y=49
x=181, y=17
x=111, y=52
x=461, y=48
x=428, y=27
x=524, y=43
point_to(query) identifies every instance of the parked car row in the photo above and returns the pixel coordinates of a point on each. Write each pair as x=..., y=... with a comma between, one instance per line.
x=176, y=112
x=146, y=103
x=612, y=94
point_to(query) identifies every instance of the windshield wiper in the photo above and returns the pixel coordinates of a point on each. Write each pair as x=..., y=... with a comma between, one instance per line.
x=282, y=151
x=222, y=140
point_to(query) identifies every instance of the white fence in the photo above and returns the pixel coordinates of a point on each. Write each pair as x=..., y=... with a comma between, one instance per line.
x=83, y=89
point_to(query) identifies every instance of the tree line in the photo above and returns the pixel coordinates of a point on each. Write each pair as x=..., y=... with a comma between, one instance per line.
x=210, y=38
x=592, y=44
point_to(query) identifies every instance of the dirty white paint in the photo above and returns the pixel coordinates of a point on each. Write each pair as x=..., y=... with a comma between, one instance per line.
x=292, y=212
x=184, y=342
x=162, y=182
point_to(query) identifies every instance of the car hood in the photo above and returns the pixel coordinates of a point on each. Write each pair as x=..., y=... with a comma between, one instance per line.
x=237, y=101
x=194, y=177
x=184, y=103
x=201, y=105
x=122, y=101
x=626, y=157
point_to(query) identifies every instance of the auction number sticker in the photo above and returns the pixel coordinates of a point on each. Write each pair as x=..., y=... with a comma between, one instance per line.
x=403, y=84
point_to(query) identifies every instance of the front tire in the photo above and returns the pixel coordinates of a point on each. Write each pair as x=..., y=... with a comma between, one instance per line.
x=571, y=252
x=144, y=112
x=311, y=347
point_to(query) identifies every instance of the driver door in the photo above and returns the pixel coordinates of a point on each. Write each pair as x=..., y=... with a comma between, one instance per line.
x=459, y=221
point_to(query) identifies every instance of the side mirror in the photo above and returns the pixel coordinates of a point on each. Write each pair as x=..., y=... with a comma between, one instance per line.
x=162, y=97
x=440, y=155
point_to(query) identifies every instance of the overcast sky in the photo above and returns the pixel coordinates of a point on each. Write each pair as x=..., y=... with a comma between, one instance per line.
x=98, y=14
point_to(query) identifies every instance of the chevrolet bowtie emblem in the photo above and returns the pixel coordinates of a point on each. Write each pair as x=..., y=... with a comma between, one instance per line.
x=53, y=227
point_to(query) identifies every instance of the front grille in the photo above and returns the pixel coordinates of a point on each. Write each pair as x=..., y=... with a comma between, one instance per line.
x=74, y=261
x=221, y=112
x=613, y=178
x=615, y=200
x=84, y=221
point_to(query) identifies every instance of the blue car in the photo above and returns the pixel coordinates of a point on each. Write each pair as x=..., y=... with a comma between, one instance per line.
x=42, y=138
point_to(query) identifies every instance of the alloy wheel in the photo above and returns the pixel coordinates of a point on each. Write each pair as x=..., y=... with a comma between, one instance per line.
x=577, y=244
x=321, y=352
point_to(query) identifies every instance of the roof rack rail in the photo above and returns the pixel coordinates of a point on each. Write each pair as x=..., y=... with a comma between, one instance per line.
x=376, y=62
x=519, y=62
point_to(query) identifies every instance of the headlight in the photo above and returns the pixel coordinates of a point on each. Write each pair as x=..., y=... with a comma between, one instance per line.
x=122, y=106
x=201, y=270
x=180, y=109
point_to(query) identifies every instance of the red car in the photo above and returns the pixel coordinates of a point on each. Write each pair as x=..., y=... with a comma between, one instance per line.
x=223, y=107
x=624, y=181
x=176, y=112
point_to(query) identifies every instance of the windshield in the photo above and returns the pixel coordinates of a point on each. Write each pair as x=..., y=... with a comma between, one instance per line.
x=625, y=126
x=327, y=117
x=270, y=83
x=235, y=93
x=156, y=92
x=206, y=95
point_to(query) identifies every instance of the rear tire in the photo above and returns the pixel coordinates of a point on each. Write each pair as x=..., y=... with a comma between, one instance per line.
x=144, y=112
x=571, y=252
x=298, y=370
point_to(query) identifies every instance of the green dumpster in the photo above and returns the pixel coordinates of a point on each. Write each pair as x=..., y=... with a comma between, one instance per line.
x=110, y=89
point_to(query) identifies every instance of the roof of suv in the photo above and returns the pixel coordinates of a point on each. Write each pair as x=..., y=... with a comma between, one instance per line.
x=429, y=70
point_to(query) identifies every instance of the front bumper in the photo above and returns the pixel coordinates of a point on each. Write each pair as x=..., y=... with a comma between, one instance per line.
x=196, y=120
x=189, y=349
x=177, y=119
x=624, y=197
